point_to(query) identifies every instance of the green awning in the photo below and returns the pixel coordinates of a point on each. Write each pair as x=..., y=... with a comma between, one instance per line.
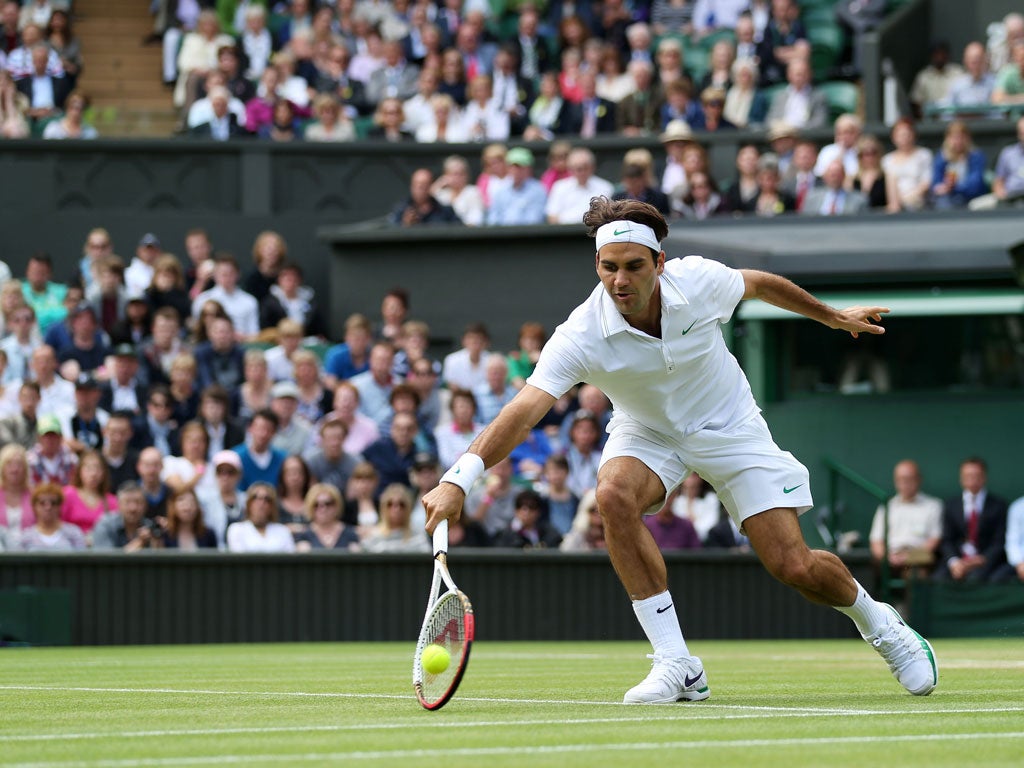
x=999, y=301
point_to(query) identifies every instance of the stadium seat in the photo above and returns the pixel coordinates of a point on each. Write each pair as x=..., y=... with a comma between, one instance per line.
x=708, y=42
x=842, y=97
x=363, y=124
x=697, y=62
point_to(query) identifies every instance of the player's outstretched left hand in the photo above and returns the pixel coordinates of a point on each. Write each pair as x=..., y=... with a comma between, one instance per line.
x=858, y=320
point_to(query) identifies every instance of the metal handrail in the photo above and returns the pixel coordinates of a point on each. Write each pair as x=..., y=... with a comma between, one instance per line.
x=838, y=470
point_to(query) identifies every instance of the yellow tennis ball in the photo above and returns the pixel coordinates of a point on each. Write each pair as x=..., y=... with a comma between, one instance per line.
x=435, y=659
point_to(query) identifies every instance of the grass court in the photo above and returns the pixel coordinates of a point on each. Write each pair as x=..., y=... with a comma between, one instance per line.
x=790, y=704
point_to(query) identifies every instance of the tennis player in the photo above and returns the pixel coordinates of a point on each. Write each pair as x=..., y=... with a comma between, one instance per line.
x=649, y=338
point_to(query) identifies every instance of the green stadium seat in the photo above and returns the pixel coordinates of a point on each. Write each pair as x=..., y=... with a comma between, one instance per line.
x=842, y=97
x=363, y=124
x=827, y=35
x=697, y=62
x=708, y=42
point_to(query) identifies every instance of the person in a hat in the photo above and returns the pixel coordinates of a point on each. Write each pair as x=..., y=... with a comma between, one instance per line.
x=225, y=503
x=88, y=351
x=293, y=431
x=520, y=200
x=782, y=139
x=650, y=337
x=85, y=426
x=676, y=137
x=139, y=275
x=50, y=461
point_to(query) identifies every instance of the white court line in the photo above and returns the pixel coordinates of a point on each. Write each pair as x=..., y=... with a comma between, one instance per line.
x=692, y=714
x=519, y=749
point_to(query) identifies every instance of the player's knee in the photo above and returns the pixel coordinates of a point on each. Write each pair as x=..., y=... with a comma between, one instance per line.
x=616, y=503
x=792, y=571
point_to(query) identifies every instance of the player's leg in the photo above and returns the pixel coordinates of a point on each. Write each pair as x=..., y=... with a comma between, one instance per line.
x=626, y=488
x=821, y=577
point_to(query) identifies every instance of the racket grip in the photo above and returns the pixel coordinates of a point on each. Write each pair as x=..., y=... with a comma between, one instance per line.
x=441, y=538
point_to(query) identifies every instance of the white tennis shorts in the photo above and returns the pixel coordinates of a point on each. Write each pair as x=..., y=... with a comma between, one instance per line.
x=748, y=471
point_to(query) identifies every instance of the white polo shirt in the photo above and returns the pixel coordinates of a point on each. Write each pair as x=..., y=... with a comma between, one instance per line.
x=568, y=201
x=677, y=385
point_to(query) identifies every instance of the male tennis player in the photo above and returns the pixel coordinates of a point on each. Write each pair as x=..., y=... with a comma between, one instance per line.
x=649, y=338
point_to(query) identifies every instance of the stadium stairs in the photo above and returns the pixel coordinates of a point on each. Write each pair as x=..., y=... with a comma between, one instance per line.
x=121, y=75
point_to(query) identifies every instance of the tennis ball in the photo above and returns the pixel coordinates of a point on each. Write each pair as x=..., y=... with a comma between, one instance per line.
x=435, y=659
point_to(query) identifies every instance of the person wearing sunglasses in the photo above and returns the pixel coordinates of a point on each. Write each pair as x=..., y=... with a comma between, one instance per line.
x=260, y=531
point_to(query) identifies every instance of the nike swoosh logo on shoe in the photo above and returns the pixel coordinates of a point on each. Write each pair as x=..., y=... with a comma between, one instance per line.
x=662, y=610
x=691, y=680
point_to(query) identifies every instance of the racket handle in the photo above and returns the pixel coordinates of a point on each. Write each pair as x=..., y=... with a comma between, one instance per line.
x=441, y=538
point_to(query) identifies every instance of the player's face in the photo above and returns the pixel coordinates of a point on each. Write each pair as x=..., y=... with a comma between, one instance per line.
x=630, y=276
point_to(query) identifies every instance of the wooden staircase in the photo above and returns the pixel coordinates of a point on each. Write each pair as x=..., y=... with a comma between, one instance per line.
x=121, y=74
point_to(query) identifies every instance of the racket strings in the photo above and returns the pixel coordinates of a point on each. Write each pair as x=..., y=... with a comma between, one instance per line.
x=446, y=627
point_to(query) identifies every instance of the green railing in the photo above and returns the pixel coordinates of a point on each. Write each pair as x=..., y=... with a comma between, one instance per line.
x=840, y=472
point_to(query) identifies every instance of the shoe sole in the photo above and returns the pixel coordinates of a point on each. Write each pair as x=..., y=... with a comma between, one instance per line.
x=698, y=695
x=928, y=649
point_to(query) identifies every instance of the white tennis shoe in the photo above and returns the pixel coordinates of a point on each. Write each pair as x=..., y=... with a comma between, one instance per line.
x=910, y=657
x=670, y=680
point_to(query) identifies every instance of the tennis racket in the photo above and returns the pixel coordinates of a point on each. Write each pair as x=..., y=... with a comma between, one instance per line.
x=448, y=623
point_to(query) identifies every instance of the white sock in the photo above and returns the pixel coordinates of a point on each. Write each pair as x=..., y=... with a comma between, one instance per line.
x=658, y=618
x=867, y=613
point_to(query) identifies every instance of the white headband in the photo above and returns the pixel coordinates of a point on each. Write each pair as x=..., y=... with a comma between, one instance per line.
x=627, y=232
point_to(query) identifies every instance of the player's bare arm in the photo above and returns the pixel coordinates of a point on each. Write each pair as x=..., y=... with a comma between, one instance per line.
x=509, y=429
x=783, y=293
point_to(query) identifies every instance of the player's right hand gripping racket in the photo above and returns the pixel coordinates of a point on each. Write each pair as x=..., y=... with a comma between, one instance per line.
x=447, y=623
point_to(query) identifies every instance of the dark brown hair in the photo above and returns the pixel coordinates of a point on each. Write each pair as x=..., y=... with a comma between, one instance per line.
x=602, y=211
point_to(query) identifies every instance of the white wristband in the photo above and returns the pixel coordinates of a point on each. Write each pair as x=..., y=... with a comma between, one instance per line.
x=465, y=472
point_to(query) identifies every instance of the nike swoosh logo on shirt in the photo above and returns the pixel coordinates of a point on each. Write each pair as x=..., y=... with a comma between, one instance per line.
x=688, y=329
x=790, y=490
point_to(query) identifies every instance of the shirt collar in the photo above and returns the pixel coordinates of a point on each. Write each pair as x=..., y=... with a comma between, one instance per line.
x=612, y=321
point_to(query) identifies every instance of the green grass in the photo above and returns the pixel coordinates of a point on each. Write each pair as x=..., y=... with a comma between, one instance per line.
x=791, y=704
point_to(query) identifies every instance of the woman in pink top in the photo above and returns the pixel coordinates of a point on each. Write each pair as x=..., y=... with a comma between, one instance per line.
x=88, y=497
x=15, y=500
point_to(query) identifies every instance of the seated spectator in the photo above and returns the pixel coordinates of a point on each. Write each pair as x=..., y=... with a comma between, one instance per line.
x=423, y=380
x=375, y=385
x=260, y=531
x=491, y=502
x=223, y=430
x=639, y=113
x=696, y=502
x=330, y=462
x=186, y=530
x=87, y=497
x=452, y=188
x=848, y=129
x=587, y=532
x=84, y=427
x=800, y=178
x=1015, y=541
x=932, y=84
x=677, y=138
x=583, y=452
x=293, y=431
x=1009, y=87
x=108, y=294
x=771, y=200
x=19, y=428
x=19, y=57
x=590, y=116
x=453, y=76
x=455, y=437
x=569, y=198
x=15, y=498
x=483, y=119
x=782, y=139
x=417, y=109
x=975, y=86
x=914, y=527
x=421, y=207
x=725, y=534
x=543, y=114
x=396, y=79
x=670, y=531
x=197, y=57
x=13, y=108
x=46, y=93
x=189, y=470
x=669, y=63
x=326, y=529
x=168, y=287
x=522, y=199
x=973, y=528
x=908, y=170
x=44, y=296
x=50, y=533
x=712, y=102
x=464, y=368
x=241, y=306
x=445, y=123
x=20, y=342
x=116, y=449
x=259, y=110
x=528, y=529
x=134, y=327
x=362, y=431
x=294, y=87
x=393, y=533
x=284, y=125
x=709, y=15
x=783, y=41
x=832, y=198
x=361, y=498
x=680, y=104
x=522, y=361
x=85, y=349
x=870, y=178
x=613, y=82
x=1008, y=184
x=127, y=529
x=221, y=359
x=223, y=503
x=799, y=104
x=1001, y=38
x=290, y=298
x=163, y=347
x=293, y=482
x=562, y=503
x=638, y=183
x=57, y=394
x=703, y=200
x=388, y=121
x=741, y=194
x=261, y=462
x=345, y=360
x=332, y=124
x=255, y=41
x=392, y=456
x=494, y=170
x=959, y=170
x=50, y=461
x=496, y=392
x=154, y=489
x=184, y=395
x=203, y=112
x=71, y=125
x=279, y=357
